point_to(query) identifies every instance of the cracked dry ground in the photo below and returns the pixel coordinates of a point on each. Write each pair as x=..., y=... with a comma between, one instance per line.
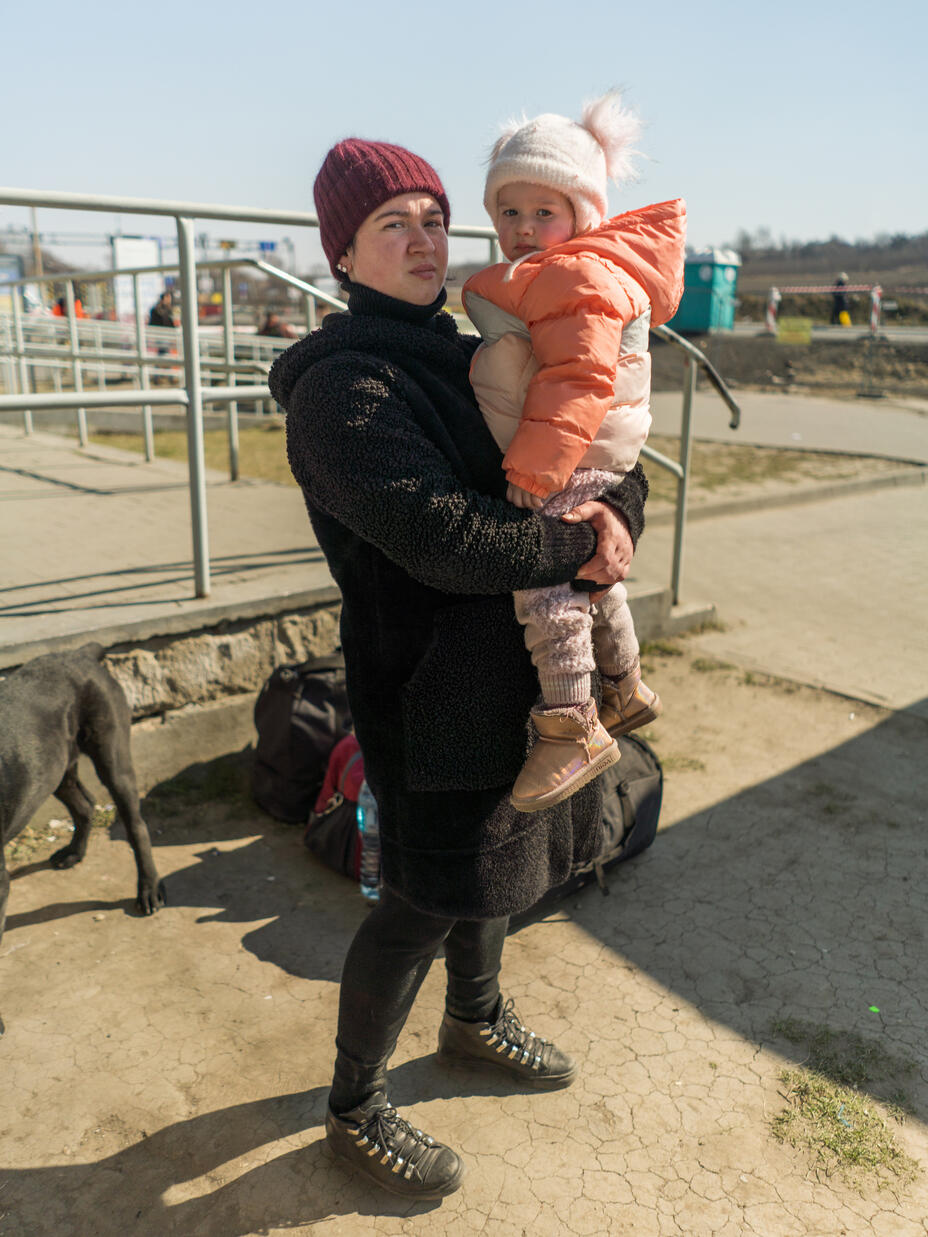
x=168, y=1076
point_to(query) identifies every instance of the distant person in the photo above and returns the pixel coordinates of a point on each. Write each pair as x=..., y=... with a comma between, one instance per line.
x=274, y=326
x=60, y=308
x=840, y=302
x=162, y=312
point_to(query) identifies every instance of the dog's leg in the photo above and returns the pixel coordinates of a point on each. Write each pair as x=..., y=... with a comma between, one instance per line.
x=113, y=762
x=4, y=895
x=77, y=800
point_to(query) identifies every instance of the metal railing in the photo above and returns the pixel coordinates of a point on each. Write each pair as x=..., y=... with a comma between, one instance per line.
x=693, y=359
x=119, y=350
x=202, y=359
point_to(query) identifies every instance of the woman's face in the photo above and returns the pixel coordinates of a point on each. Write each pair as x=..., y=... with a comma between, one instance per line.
x=401, y=249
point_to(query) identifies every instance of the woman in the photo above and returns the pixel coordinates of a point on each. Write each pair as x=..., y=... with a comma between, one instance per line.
x=406, y=495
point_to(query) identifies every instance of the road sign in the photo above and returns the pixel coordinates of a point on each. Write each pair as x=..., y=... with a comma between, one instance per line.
x=267, y=246
x=794, y=331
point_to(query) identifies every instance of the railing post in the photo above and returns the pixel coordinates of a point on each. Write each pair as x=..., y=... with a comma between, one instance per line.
x=75, y=361
x=310, y=311
x=140, y=347
x=21, y=350
x=228, y=341
x=686, y=438
x=9, y=382
x=186, y=245
x=496, y=254
x=876, y=296
x=98, y=347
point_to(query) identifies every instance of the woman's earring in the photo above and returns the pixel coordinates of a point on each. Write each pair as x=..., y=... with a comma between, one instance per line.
x=340, y=267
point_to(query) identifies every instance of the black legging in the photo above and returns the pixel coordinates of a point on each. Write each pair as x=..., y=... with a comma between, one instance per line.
x=386, y=964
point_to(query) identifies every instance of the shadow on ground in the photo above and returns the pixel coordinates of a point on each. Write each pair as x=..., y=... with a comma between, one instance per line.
x=187, y=1150
x=800, y=898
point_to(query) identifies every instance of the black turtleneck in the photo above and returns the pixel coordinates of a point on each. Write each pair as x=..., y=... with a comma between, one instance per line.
x=368, y=302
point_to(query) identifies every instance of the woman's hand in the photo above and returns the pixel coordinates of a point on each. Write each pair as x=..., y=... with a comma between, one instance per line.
x=614, y=547
x=523, y=498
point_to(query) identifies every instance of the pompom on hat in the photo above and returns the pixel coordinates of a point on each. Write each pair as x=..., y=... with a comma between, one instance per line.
x=356, y=177
x=575, y=158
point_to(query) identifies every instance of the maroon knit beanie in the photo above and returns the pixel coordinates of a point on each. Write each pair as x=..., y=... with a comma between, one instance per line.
x=358, y=176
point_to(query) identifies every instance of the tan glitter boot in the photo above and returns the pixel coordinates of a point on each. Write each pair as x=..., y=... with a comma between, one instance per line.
x=628, y=703
x=571, y=750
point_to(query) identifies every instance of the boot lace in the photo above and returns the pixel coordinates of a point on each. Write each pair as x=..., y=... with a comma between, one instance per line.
x=406, y=1149
x=521, y=1042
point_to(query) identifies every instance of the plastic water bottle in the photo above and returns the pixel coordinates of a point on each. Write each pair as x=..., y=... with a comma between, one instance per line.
x=369, y=827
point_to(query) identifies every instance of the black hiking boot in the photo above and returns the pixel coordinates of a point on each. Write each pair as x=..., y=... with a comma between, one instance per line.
x=509, y=1046
x=391, y=1152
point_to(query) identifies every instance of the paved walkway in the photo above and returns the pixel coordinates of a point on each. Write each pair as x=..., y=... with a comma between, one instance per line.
x=895, y=428
x=99, y=539
x=832, y=594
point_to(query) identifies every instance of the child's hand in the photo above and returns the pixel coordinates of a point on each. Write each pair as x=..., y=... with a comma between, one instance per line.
x=522, y=498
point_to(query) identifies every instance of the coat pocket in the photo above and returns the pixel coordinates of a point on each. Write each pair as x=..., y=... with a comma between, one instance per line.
x=465, y=708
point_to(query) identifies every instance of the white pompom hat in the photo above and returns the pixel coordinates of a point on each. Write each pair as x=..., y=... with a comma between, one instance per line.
x=576, y=159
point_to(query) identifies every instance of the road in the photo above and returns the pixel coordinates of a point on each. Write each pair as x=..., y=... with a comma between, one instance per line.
x=832, y=334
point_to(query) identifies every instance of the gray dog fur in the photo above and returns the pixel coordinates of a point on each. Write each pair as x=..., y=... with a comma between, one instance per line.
x=52, y=710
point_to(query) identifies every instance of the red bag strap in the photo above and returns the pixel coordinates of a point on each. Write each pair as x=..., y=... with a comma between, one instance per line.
x=356, y=756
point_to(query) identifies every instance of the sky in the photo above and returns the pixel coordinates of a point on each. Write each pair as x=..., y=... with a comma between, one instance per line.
x=807, y=119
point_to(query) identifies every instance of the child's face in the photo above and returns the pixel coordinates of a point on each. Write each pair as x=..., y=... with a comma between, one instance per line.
x=530, y=218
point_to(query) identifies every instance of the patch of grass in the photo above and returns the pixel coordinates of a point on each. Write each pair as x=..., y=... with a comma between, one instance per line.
x=39, y=840
x=661, y=648
x=27, y=845
x=682, y=764
x=715, y=466
x=825, y=790
x=708, y=625
x=837, y=800
x=755, y=678
x=899, y=1105
x=845, y=1057
x=103, y=816
x=262, y=451
x=707, y=665
x=843, y=1131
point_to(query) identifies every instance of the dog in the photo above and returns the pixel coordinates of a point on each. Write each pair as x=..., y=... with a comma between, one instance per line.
x=52, y=710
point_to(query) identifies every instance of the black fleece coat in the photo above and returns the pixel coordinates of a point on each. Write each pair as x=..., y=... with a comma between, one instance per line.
x=406, y=494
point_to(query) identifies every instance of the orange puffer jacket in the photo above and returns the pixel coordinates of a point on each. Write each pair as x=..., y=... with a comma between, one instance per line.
x=563, y=376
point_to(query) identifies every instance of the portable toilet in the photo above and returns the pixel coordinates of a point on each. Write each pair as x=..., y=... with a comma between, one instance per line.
x=710, y=279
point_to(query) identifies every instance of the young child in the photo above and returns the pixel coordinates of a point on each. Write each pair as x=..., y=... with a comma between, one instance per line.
x=563, y=379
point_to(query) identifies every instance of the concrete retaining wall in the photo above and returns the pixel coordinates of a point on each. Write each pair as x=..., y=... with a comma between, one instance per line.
x=192, y=695
x=164, y=674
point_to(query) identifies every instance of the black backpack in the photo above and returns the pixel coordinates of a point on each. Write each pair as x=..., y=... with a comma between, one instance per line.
x=300, y=714
x=632, y=793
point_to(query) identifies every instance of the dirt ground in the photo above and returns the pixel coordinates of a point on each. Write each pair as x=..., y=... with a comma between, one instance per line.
x=168, y=1075
x=838, y=368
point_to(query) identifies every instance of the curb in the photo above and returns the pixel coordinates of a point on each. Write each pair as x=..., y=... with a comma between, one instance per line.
x=803, y=496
